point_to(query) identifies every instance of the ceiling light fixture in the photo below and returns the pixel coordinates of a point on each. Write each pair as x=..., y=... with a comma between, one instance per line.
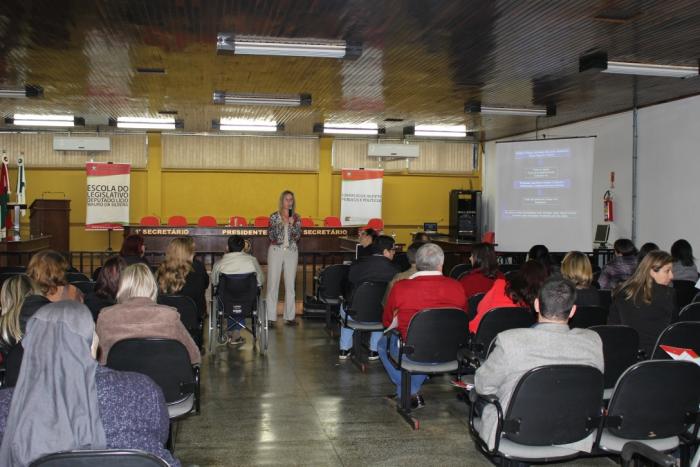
x=370, y=129
x=476, y=107
x=241, y=124
x=146, y=123
x=230, y=43
x=599, y=61
x=279, y=100
x=22, y=92
x=44, y=120
x=444, y=131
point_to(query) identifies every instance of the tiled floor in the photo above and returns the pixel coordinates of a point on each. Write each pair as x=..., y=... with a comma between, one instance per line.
x=300, y=406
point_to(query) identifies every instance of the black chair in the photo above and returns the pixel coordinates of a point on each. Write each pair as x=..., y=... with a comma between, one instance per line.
x=238, y=297
x=690, y=312
x=459, y=269
x=620, y=351
x=86, y=287
x=605, y=298
x=473, y=304
x=685, y=291
x=332, y=283
x=550, y=406
x=167, y=363
x=495, y=322
x=684, y=334
x=654, y=402
x=432, y=342
x=189, y=314
x=634, y=450
x=587, y=316
x=366, y=311
x=101, y=458
x=73, y=277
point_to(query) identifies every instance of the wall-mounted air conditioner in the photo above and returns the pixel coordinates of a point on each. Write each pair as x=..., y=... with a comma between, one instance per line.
x=81, y=143
x=393, y=151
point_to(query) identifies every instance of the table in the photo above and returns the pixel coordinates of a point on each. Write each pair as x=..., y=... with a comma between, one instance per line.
x=18, y=252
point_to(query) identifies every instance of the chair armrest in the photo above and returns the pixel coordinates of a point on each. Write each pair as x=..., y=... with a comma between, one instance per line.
x=632, y=448
x=491, y=399
x=396, y=333
x=197, y=388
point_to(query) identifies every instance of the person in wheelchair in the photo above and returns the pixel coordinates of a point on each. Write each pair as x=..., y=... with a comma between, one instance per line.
x=236, y=261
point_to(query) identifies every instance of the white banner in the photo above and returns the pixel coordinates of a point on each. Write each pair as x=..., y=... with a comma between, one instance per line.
x=361, y=196
x=108, y=189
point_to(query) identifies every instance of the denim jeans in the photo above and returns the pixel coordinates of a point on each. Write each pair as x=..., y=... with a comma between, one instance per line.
x=346, y=335
x=395, y=374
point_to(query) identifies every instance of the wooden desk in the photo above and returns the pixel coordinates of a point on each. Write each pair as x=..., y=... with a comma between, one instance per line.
x=18, y=252
x=213, y=239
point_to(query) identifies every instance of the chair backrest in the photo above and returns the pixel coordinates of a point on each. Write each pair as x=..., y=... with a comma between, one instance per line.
x=177, y=221
x=620, y=347
x=165, y=361
x=207, y=221
x=654, y=399
x=152, y=221
x=435, y=335
x=189, y=315
x=684, y=334
x=587, y=316
x=690, y=312
x=685, y=291
x=76, y=277
x=332, y=221
x=100, y=458
x=237, y=221
x=261, y=221
x=332, y=281
x=376, y=224
x=554, y=404
x=85, y=287
x=238, y=293
x=366, y=303
x=489, y=237
x=459, y=269
x=498, y=320
x=473, y=304
x=307, y=222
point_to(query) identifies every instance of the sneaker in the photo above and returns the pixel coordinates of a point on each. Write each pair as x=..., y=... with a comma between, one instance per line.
x=417, y=402
x=236, y=342
x=344, y=354
x=373, y=356
x=458, y=383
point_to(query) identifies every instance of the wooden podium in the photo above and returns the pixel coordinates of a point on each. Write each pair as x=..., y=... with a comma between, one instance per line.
x=51, y=217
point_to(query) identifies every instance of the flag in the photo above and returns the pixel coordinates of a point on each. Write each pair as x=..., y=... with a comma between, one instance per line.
x=4, y=197
x=21, y=182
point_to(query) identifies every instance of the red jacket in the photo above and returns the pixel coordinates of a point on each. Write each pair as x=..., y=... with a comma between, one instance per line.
x=495, y=298
x=475, y=282
x=409, y=296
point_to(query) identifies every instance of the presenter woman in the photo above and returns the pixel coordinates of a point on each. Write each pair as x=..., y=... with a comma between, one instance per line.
x=283, y=255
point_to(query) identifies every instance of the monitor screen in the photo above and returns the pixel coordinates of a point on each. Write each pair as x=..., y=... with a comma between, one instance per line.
x=430, y=227
x=601, y=233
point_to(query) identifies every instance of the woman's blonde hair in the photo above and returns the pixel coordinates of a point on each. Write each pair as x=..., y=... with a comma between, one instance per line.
x=47, y=269
x=640, y=285
x=281, y=202
x=173, y=271
x=137, y=281
x=576, y=267
x=14, y=291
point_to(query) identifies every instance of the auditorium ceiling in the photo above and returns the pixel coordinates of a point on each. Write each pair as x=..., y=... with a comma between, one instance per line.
x=421, y=61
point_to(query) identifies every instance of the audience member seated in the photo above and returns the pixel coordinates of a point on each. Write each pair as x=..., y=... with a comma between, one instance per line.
x=47, y=269
x=236, y=261
x=376, y=267
x=518, y=289
x=549, y=342
x=577, y=269
x=484, y=270
x=411, y=256
x=137, y=314
x=421, y=237
x=64, y=400
x=367, y=237
x=540, y=253
x=181, y=274
x=12, y=297
x=133, y=250
x=621, y=267
x=106, y=285
x=645, y=249
x=645, y=301
x=684, y=268
x=427, y=288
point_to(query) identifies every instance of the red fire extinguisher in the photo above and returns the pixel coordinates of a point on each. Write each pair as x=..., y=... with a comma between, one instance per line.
x=608, y=207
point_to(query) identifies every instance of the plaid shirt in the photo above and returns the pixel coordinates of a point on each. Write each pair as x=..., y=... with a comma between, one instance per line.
x=618, y=270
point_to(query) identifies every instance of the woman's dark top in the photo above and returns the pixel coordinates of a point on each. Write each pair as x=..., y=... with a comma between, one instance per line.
x=31, y=304
x=649, y=320
x=195, y=287
x=95, y=302
x=588, y=297
x=133, y=411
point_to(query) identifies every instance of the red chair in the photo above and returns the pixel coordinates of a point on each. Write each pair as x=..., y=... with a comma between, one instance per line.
x=332, y=221
x=237, y=221
x=207, y=221
x=307, y=222
x=151, y=221
x=489, y=237
x=177, y=221
x=376, y=224
x=261, y=221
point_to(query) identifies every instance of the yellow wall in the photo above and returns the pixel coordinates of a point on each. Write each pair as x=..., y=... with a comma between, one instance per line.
x=408, y=200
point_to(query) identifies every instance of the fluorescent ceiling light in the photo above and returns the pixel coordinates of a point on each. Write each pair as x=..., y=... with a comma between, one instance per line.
x=351, y=129
x=600, y=62
x=239, y=124
x=447, y=131
x=21, y=92
x=476, y=107
x=42, y=120
x=162, y=123
x=287, y=47
x=280, y=100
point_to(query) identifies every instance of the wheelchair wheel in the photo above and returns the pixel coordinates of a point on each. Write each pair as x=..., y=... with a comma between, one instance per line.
x=221, y=325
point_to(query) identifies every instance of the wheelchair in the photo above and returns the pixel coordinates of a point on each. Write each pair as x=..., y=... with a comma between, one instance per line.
x=237, y=296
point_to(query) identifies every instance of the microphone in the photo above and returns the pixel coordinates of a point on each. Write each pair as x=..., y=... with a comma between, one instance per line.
x=290, y=212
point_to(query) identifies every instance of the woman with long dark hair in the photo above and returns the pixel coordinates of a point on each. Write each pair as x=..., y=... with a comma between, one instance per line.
x=484, y=270
x=684, y=267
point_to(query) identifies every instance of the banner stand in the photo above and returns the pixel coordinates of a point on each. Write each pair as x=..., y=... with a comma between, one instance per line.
x=108, y=193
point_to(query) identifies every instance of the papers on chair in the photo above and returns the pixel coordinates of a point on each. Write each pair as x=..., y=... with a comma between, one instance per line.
x=679, y=353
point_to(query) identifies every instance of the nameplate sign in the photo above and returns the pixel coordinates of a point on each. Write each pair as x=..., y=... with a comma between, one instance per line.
x=167, y=231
